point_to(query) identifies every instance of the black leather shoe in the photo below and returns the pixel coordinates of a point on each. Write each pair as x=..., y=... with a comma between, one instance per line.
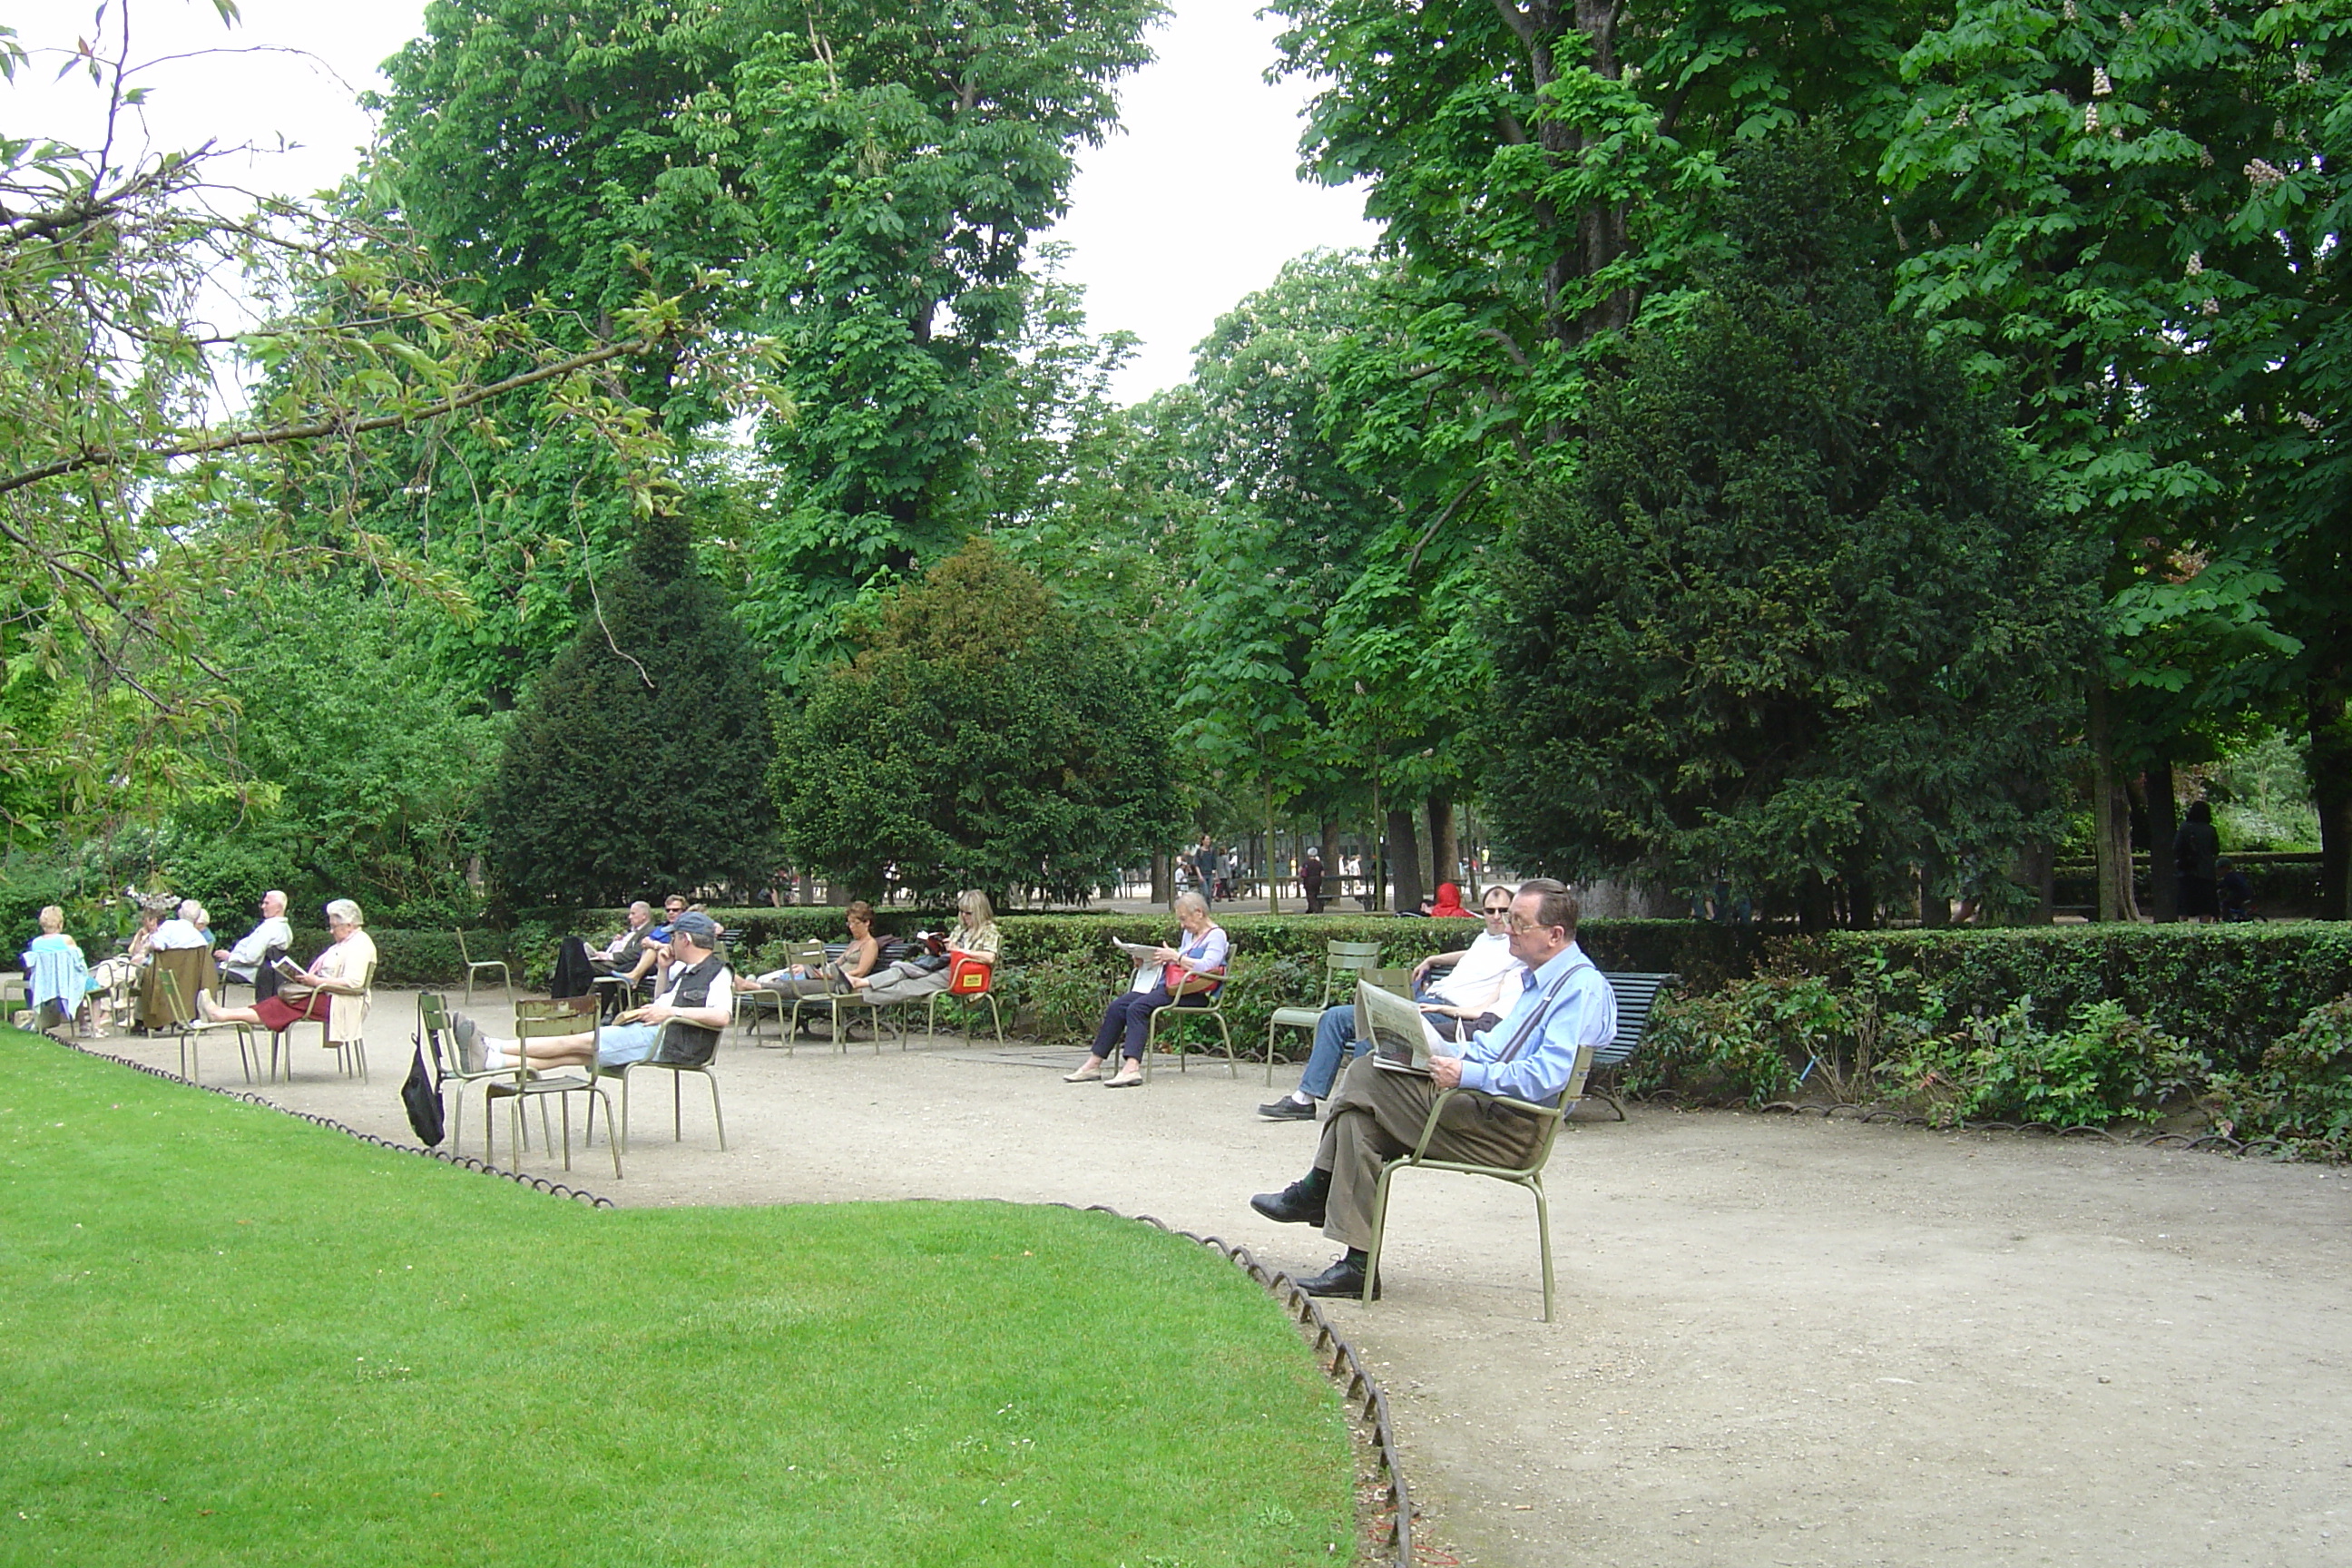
x=1294, y=1205
x=1288, y=1110
x=1345, y=1277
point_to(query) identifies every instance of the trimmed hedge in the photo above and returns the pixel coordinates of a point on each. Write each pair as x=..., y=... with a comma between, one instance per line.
x=427, y=957
x=2229, y=990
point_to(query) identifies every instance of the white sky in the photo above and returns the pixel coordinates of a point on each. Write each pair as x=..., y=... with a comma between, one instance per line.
x=1192, y=205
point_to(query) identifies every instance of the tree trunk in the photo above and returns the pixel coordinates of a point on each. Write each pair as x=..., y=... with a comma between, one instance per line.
x=1813, y=904
x=1406, y=868
x=1161, y=891
x=2111, y=816
x=1444, y=848
x=2331, y=792
x=2163, y=824
x=2037, y=868
x=1935, y=904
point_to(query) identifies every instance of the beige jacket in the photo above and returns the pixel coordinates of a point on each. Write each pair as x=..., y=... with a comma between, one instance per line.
x=352, y=961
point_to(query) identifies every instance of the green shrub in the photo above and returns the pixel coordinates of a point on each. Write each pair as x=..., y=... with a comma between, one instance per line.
x=2227, y=992
x=2301, y=1093
x=2104, y=1065
x=1725, y=1045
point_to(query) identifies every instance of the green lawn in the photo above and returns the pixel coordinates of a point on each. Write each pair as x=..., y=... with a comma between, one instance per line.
x=237, y=1338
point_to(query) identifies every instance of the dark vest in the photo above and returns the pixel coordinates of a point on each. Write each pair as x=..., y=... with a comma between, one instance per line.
x=691, y=1044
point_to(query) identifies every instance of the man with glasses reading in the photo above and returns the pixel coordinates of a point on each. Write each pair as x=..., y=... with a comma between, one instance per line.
x=1469, y=995
x=1564, y=1005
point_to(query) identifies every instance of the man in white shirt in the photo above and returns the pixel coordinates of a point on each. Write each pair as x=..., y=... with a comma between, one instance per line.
x=185, y=928
x=239, y=963
x=1470, y=994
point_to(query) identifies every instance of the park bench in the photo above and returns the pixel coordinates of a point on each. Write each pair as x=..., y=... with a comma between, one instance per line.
x=1636, y=992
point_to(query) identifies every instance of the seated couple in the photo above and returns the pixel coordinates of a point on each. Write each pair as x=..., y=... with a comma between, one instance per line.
x=1560, y=1007
x=1188, y=974
x=855, y=972
x=697, y=1003
x=1473, y=988
x=642, y=945
x=333, y=991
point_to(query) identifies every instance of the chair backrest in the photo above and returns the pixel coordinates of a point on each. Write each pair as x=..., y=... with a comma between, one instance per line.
x=566, y=1010
x=808, y=955
x=432, y=1021
x=179, y=973
x=1636, y=992
x=1343, y=961
x=463, y=956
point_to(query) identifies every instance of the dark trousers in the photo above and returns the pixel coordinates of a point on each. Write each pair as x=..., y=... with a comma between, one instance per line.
x=1130, y=1013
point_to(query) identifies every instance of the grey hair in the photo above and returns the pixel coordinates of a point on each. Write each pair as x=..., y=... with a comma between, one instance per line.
x=345, y=910
x=1188, y=898
x=1559, y=908
x=191, y=912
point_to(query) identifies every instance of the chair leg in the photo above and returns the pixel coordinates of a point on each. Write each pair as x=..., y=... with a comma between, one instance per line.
x=1269, y=1053
x=1233, y=1062
x=717, y=1118
x=1543, y=1234
x=1380, y=1228
x=615, y=1143
x=567, y=1128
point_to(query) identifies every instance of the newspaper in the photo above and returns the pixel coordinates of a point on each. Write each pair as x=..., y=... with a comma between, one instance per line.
x=1400, y=1037
x=1140, y=952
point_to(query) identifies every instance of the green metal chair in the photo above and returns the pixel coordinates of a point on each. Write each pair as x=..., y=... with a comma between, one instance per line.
x=678, y=1071
x=476, y=966
x=1343, y=961
x=1176, y=1013
x=753, y=1002
x=434, y=1032
x=520, y=1083
x=1528, y=1175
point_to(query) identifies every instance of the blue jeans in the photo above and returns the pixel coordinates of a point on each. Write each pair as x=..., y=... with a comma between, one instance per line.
x=1129, y=1013
x=1335, y=1042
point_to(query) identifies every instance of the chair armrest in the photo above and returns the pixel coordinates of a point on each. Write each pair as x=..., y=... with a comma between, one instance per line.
x=1429, y=1128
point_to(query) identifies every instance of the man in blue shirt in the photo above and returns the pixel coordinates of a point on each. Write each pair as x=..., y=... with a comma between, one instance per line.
x=1378, y=1114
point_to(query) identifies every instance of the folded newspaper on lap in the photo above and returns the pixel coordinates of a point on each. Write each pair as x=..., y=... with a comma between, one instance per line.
x=1401, y=1039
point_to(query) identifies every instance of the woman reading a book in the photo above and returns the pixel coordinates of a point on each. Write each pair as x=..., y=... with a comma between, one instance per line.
x=339, y=975
x=856, y=961
x=1190, y=973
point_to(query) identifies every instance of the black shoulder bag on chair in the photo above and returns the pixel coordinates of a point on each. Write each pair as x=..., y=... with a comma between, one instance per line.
x=422, y=1096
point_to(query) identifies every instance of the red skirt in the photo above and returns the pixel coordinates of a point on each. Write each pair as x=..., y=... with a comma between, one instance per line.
x=277, y=1017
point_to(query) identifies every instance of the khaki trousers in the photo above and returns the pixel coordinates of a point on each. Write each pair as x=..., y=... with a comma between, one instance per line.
x=1378, y=1116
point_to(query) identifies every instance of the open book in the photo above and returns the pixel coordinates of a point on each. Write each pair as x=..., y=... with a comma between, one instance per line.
x=290, y=970
x=1400, y=1037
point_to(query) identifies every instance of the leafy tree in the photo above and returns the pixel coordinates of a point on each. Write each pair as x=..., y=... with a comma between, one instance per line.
x=351, y=773
x=2122, y=216
x=129, y=501
x=983, y=737
x=1805, y=619
x=638, y=760
x=874, y=173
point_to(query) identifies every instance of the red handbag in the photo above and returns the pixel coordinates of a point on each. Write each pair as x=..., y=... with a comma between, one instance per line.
x=968, y=976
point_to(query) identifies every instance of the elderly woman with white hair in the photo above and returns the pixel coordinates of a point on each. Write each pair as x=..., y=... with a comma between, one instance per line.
x=336, y=984
x=1190, y=973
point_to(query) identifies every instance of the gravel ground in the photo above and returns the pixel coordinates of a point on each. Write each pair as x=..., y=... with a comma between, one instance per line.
x=1780, y=1340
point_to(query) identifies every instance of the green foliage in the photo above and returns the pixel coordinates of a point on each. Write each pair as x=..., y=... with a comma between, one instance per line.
x=1730, y=1045
x=2102, y=1065
x=982, y=737
x=2228, y=992
x=2301, y=1092
x=1803, y=617
x=636, y=766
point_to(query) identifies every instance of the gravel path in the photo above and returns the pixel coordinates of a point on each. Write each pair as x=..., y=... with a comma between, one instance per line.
x=1781, y=1340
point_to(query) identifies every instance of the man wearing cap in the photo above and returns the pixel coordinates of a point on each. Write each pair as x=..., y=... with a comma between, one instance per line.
x=697, y=1005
